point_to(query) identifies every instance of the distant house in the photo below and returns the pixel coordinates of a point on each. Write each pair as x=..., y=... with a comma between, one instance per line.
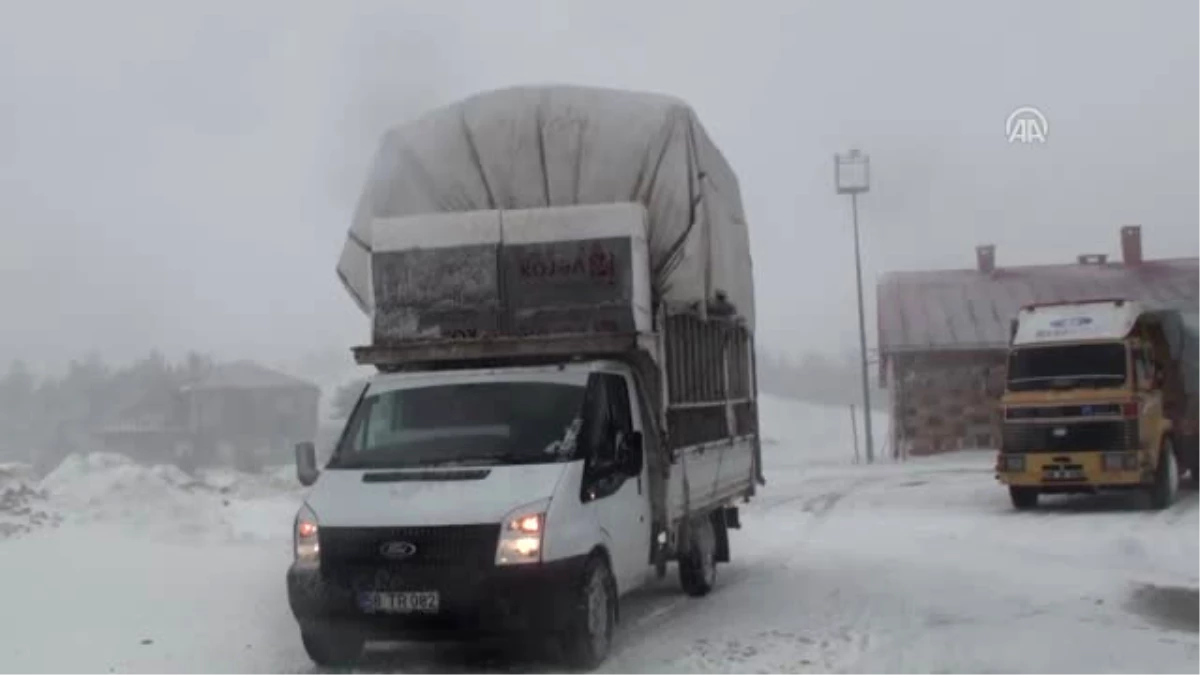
x=238, y=413
x=151, y=430
x=943, y=334
x=250, y=412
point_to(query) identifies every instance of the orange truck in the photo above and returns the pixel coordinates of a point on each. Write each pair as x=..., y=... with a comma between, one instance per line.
x=1100, y=395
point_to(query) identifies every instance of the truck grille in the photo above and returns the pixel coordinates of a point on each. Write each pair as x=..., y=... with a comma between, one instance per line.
x=350, y=549
x=1070, y=437
x=1042, y=412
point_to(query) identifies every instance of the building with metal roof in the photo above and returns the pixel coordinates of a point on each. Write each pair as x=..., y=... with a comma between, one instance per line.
x=943, y=334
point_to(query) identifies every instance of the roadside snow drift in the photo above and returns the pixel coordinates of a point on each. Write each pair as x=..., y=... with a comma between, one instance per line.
x=161, y=502
x=23, y=505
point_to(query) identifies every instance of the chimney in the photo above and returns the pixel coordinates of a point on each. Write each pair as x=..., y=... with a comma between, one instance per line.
x=1131, y=245
x=985, y=258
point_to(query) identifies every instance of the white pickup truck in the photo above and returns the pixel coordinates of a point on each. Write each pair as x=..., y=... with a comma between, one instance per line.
x=548, y=430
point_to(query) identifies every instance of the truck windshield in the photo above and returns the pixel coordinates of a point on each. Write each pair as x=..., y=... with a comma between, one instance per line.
x=1066, y=367
x=472, y=424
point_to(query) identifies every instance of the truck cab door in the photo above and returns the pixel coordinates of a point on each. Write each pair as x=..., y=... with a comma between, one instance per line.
x=619, y=501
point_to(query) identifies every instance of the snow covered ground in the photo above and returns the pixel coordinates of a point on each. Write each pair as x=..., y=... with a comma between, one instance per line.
x=914, y=567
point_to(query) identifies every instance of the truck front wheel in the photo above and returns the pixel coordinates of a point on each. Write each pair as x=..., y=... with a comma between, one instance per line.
x=1023, y=498
x=333, y=648
x=588, y=636
x=1166, y=477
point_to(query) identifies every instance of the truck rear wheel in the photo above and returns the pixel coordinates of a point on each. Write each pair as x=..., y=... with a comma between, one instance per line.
x=1165, y=488
x=588, y=636
x=332, y=649
x=1023, y=498
x=698, y=567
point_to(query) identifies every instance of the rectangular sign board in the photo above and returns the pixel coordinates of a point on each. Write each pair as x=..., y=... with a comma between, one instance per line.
x=1076, y=322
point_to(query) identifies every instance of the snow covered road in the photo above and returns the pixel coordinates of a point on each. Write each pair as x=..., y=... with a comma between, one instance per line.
x=920, y=567
x=925, y=569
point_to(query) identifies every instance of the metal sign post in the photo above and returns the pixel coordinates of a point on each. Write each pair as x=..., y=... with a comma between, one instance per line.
x=852, y=175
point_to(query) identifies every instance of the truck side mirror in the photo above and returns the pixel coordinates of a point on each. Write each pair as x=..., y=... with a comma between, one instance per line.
x=632, y=454
x=306, y=463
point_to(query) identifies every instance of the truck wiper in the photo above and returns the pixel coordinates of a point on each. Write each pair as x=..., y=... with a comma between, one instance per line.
x=482, y=460
x=493, y=460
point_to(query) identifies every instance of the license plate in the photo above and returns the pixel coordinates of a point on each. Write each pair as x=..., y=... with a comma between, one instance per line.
x=1064, y=474
x=399, y=602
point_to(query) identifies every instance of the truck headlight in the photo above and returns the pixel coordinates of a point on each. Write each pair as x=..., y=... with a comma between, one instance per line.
x=1120, y=461
x=521, y=535
x=305, y=542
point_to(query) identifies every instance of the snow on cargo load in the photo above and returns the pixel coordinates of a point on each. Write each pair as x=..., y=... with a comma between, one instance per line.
x=551, y=146
x=436, y=275
x=1075, y=322
x=575, y=269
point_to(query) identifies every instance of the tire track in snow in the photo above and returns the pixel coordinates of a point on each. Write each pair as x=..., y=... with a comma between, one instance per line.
x=660, y=615
x=699, y=635
x=823, y=502
x=772, y=644
x=820, y=502
x=817, y=651
x=1187, y=503
x=647, y=622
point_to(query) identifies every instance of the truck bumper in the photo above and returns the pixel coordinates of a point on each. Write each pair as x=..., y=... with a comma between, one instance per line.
x=472, y=603
x=1075, y=471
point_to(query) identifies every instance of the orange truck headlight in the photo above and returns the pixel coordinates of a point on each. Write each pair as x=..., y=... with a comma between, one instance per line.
x=1120, y=461
x=1012, y=462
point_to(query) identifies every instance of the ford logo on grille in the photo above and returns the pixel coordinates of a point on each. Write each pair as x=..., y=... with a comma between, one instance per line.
x=398, y=550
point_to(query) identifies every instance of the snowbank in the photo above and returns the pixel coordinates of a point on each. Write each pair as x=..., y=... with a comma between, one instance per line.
x=89, y=481
x=22, y=505
x=166, y=503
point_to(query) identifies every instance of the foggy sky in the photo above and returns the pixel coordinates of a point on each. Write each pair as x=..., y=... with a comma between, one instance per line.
x=181, y=175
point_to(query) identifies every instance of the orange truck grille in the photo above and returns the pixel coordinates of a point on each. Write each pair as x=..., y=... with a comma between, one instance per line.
x=1070, y=436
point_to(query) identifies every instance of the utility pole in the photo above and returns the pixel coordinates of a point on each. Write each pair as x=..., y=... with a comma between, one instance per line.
x=852, y=176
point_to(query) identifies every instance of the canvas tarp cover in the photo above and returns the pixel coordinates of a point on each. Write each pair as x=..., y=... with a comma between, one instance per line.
x=530, y=147
x=1180, y=328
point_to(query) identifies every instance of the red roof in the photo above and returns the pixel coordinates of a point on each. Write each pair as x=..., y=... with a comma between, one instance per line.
x=968, y=309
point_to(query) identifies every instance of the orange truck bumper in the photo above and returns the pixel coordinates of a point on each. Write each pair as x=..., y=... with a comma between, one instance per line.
x=1095, y=470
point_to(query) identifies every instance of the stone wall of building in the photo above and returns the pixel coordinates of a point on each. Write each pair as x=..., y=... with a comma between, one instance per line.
x=946, y=401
